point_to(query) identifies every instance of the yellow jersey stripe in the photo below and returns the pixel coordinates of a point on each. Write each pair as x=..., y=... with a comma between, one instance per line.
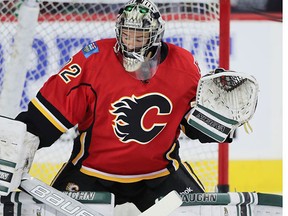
x=81, y=153
x=123, y=178
x=174, y=161
x=49, y=115
x=193, y=175
x=57, y=174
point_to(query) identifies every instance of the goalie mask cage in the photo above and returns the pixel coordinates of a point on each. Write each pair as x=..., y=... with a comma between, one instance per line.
x=38, y=37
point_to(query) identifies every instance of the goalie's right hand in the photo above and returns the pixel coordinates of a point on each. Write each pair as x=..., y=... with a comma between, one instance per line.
x=17, y=150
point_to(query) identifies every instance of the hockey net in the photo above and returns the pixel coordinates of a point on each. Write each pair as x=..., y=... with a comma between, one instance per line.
x=38, y=37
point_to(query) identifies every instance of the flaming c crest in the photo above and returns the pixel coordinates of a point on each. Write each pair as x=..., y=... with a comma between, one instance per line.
x=129, y=113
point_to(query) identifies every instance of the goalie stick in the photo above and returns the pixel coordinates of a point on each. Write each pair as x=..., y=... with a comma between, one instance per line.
x=165, y=206
x=69, y=206
x=54, y=198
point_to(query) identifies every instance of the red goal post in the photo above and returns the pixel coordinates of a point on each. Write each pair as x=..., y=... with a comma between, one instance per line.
x=224, y=57
x=39, y=36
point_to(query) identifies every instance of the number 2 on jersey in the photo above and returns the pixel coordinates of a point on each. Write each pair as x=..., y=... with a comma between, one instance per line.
x=72, y=72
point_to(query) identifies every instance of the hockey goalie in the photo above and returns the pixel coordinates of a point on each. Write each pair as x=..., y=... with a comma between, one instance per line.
x=225, y=100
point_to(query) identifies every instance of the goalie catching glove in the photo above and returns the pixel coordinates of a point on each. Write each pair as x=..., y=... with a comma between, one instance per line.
x=17, y=150
x=225, y=100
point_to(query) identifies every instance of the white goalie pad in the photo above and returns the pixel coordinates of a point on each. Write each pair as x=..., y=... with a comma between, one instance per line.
x=17, y=149
x=225, y=100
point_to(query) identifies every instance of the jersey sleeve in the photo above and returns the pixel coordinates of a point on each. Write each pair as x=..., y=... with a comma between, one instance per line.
x=66, y=99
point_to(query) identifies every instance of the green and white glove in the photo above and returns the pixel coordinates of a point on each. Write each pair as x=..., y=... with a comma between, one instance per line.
x=225, y=101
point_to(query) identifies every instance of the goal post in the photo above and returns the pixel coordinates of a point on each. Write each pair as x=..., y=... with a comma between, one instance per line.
x=224, y=62
x=62, y=27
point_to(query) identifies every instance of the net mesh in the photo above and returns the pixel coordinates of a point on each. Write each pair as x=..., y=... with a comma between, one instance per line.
x=228, y=83
x=64, y=27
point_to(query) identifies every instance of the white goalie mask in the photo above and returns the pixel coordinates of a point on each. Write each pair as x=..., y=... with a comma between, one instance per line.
x=139, y=31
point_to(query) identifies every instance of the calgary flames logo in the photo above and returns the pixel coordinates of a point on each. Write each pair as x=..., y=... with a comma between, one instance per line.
x=140, y=119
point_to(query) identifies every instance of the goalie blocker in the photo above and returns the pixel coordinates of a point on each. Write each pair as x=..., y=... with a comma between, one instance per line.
x=225, y=101
x=17, y=151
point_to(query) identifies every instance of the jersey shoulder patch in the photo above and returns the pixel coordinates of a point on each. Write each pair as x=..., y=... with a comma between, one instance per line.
x=90, y=49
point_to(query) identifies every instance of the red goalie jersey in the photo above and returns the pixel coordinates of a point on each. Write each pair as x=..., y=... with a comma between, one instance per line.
x=128, y=128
